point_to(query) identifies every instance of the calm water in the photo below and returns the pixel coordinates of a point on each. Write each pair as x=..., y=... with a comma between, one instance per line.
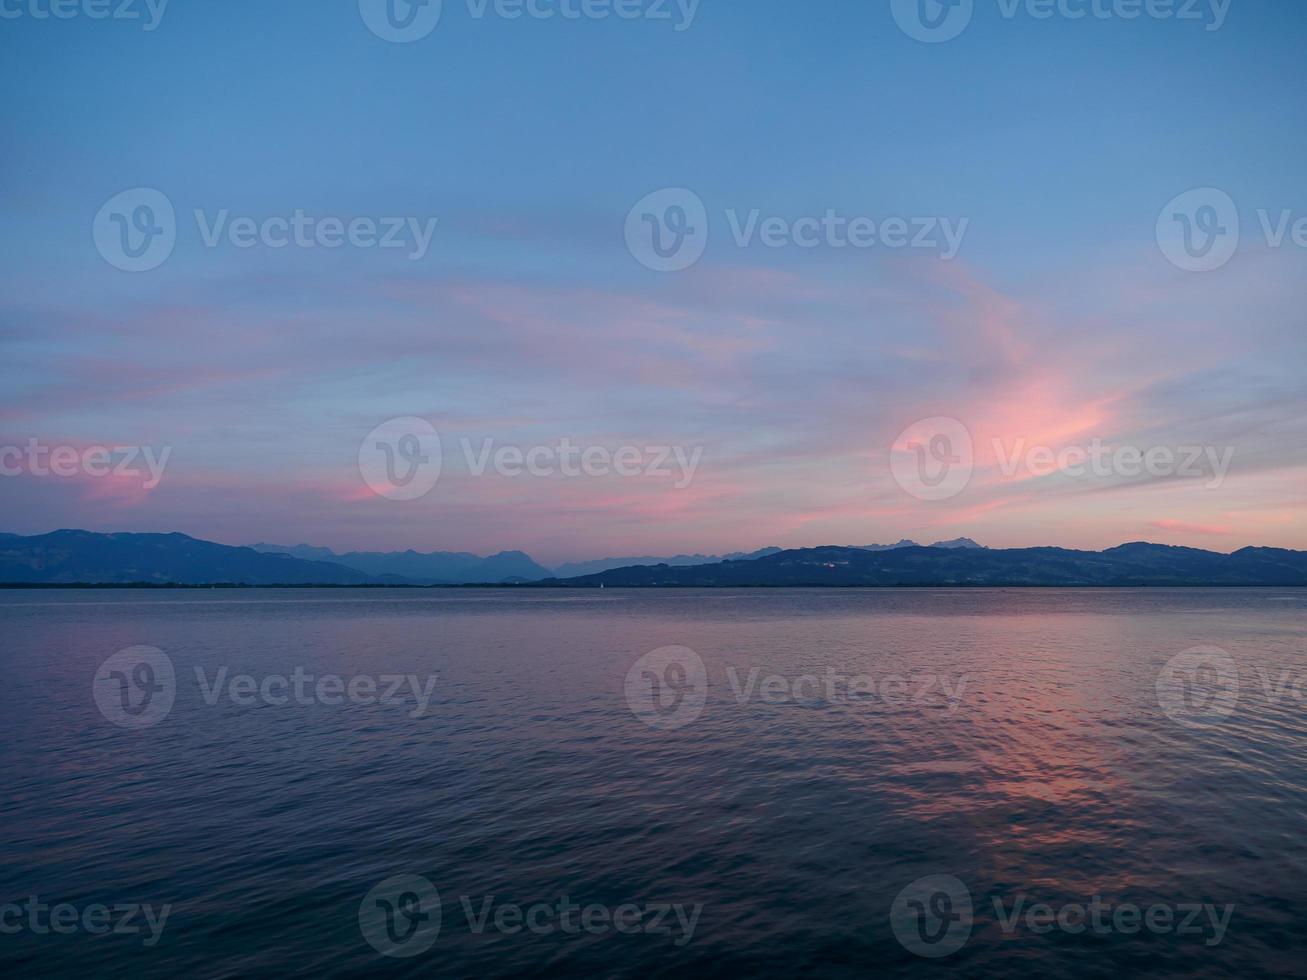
x=1012, y=748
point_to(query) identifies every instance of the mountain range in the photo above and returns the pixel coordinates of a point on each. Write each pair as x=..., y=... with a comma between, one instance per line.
x=576, y=568
x=581, y=568
x=85, y=557
x=65, y=557
x=431, y=568
x=1136, y=564
x=515, y=567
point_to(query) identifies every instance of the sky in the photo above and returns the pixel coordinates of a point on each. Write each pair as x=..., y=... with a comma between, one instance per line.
x=700, y=278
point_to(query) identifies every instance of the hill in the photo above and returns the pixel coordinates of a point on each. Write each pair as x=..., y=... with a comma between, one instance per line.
x=65, y=557
x=1136, y=564
x=430, y=568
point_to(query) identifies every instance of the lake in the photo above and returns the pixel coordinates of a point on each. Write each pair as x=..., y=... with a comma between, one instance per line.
x=1066, y=783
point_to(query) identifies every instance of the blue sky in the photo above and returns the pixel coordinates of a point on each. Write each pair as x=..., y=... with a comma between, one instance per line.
x=528, y=320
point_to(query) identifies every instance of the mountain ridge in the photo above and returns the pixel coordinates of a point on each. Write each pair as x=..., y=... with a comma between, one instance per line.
x=577, y=568
x=425, y=568
x=71, y=556
x=68, y=557
x=1135, y=564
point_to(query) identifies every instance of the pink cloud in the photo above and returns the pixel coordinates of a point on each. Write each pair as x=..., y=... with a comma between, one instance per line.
x=1185, y=527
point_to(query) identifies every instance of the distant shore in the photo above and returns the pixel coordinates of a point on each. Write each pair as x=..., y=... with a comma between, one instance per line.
x=46, y=586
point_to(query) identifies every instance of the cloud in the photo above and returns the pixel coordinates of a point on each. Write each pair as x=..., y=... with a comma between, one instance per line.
x=796, y=383
x=1185, y=527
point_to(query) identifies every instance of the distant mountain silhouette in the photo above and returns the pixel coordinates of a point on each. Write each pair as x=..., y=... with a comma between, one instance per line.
x=65, y=557
x=580, y=568
x=905, y=543
x=1137, y=564
x=573, y=569
x=72, y=557
x=959, y=543
x=432, y=568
